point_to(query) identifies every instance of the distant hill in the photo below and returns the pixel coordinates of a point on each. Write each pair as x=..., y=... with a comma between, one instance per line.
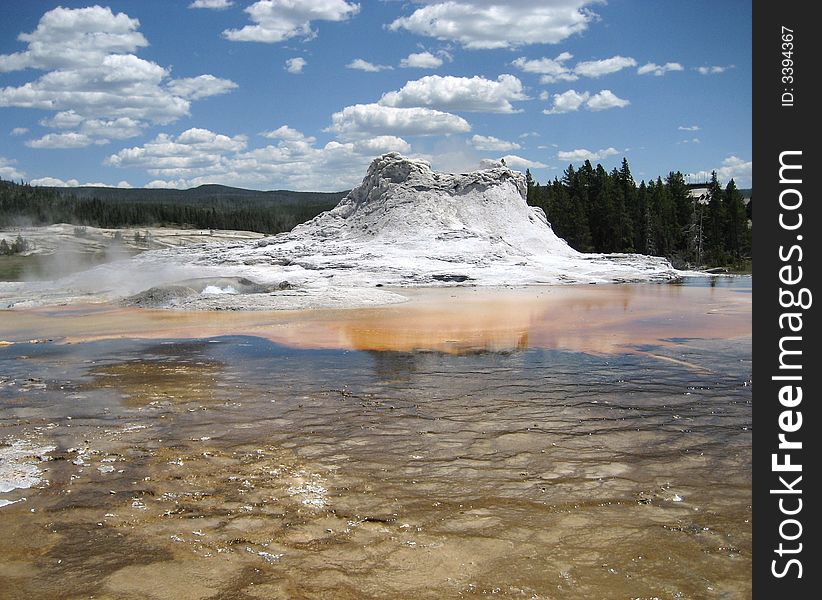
x=204, y=195
x=203, y=207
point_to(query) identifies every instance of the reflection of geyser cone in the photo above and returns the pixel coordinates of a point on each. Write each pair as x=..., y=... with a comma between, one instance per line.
x=468, y=328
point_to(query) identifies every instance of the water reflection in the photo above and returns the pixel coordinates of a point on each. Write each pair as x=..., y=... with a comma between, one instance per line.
x=601, y=319
x=570, y=443
x=237, y=467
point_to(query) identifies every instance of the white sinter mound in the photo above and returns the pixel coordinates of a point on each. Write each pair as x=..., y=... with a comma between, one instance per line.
x=403, y=225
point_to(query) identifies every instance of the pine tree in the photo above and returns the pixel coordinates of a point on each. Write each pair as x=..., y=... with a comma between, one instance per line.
x=736, y=222
x=715, y=221
x=529, y=185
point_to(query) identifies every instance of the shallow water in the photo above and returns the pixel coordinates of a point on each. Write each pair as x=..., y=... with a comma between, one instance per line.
x=236, y=467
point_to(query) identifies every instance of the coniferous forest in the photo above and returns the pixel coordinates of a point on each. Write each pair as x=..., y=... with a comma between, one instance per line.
x=206, y=207
x=598, y=211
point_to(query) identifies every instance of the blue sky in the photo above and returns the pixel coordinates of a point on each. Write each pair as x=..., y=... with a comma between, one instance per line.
x=303, y=94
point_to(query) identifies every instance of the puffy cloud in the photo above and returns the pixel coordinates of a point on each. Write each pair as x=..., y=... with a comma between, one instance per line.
x=94, y=82
x=8, y=170
x=475, y=94
x=583, y=154
x=572, y=100
x=69, y=38
x=714, y=70
x=95, y=130
x=279, y=20
x=659, y=70
x=492, y=144
x=19, y=131
x=567, y=102
x=294, y=162
x=598, y=68
x=56, y=182
x=363, y=65
x=213, y=4
x=367, y=120
x=285, y=132
x=295, y=65
x=381, y=144
x=689, y=128
x=421, y=60
x=604, y=100
x=484, y=24
x=733, y=167
x=551, y=69
x=738, y=169
x=556, y=69
x=513, y=161
x=61, y=140
x=202, y=86
x=193, y=149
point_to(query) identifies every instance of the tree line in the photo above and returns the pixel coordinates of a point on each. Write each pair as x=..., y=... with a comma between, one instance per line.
x=18, y=246
x=33, y=205
x=599, y=211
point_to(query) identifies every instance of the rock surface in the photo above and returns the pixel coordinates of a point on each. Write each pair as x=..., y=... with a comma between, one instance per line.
x=404, y=225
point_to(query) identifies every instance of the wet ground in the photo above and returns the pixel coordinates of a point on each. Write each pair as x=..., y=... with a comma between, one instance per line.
x=486, y=457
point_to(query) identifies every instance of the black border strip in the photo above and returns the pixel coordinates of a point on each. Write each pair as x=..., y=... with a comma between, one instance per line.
x=784, y=127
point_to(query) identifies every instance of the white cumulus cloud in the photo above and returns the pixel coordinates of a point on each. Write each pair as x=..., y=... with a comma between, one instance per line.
x=604, y=100
x=491, y=144
x=659, y=70
x=689, y=128
x=550, y=69
x=360, y=64
x=421, y=60
x=61, y=141
x=56, y=182
x=513, y=161
x=295, y=162
x=733, y=167
x=284, y=132
x=295, y=65
x=193, y=149
x=598, y=68
x=212, y=4
x=8, y=171
x=572, y=100
x=202, y=86
x=713, y=70
x=279, y=20
x=475, y=94
x=93, y=81
x=556, y=69
x=478, y=24
x=567, y=102
x=582, y=154
x=367, y=120
x=68, y=38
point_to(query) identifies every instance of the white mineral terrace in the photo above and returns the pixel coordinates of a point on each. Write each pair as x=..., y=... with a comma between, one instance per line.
x=404, y=225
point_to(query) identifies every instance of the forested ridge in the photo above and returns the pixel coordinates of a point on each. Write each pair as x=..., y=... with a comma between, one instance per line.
x=599, y=211
x=205, y=207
